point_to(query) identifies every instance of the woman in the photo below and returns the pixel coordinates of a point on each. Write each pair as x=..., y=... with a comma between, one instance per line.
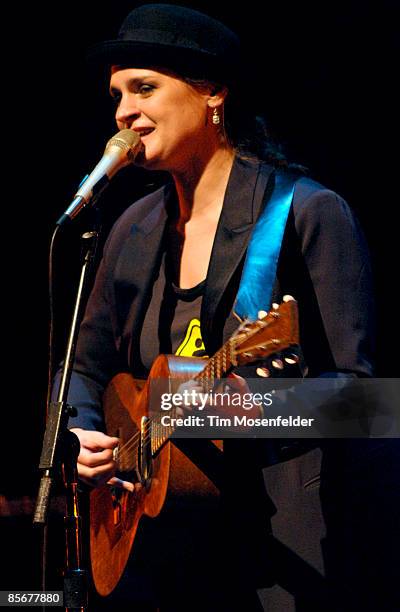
x=175, y=258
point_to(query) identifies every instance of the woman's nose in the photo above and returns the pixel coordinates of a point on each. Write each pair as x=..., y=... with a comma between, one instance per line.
x=127, y=112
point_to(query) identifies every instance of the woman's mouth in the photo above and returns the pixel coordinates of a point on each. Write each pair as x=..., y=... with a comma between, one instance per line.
x=144, y=133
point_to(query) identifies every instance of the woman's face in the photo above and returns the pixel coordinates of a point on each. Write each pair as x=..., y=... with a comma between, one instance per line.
x=172, y=117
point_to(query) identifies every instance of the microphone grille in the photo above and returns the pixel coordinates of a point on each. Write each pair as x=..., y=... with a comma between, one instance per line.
x=127, y=140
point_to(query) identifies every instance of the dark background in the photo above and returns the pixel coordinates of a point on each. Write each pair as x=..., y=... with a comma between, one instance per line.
x=325, y=78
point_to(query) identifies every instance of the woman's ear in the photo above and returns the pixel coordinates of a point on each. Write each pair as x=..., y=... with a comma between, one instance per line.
x=217, y=97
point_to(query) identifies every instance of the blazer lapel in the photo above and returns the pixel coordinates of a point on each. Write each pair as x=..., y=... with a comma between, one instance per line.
x=137, y=263
x=244, y=197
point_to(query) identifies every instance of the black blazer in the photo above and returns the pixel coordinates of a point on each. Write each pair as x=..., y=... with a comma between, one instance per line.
x=323, y=263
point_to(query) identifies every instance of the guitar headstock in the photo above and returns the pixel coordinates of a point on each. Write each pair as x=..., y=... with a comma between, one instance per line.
x=277, y=331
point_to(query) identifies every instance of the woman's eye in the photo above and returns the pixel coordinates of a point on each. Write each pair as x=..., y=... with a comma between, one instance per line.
x=145, y=89
x=116, y=100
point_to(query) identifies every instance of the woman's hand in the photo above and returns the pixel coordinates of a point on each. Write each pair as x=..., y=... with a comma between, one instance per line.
x=233, y=384
x=96, y=465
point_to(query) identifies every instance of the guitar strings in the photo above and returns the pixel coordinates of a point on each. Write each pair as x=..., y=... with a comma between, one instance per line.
x=133, y=442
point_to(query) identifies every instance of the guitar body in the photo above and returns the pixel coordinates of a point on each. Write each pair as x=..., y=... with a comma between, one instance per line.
x=115, y=513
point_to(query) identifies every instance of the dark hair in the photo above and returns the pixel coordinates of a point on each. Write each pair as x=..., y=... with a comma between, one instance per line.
x=249, y=135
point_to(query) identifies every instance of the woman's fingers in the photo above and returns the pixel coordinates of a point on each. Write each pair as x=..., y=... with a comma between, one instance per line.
x=95, y=440
x=95, y=461
x=124, y=484
x=97, y=458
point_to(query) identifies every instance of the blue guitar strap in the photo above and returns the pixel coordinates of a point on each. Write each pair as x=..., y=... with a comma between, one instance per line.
x=259, y=271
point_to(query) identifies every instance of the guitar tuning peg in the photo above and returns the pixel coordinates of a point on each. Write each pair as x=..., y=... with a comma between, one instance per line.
x=275, y=306
x=263, y=372
x=288, y=298
x=292, y=359
x=277, y=364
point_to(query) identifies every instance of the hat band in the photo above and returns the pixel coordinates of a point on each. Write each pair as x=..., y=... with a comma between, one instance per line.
x=160, y=37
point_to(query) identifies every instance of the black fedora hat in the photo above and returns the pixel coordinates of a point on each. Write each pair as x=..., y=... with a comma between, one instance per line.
x=174, y=37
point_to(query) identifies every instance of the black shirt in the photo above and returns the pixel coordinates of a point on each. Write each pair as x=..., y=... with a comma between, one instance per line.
x=172, y=321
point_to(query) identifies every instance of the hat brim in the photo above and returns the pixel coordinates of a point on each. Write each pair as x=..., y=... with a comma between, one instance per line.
x=192, y=63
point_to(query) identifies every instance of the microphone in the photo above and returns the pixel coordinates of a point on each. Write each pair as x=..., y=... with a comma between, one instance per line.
x=120, y=151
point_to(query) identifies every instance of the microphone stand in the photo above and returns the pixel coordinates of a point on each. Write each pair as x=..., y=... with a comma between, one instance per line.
x=61, y=449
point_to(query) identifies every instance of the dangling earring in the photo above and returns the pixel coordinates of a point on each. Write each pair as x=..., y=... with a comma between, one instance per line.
x=216, y=119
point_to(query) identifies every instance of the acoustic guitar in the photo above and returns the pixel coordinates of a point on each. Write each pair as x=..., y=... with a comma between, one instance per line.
x=145, y=453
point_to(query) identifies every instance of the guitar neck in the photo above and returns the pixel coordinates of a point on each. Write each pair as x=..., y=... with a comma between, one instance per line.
x=217, y=366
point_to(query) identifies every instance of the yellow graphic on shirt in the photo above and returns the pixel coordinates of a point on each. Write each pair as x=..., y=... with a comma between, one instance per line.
x=192, y=345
